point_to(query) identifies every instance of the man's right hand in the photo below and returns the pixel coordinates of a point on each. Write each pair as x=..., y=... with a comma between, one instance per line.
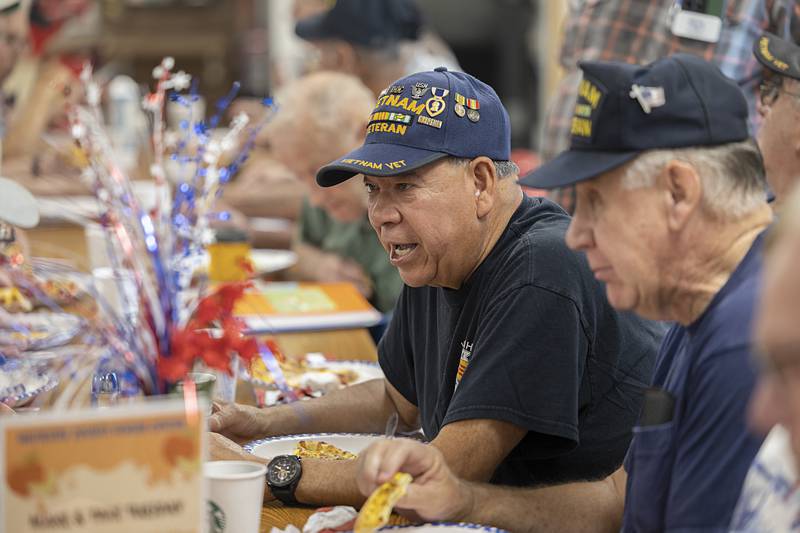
x=239, y=423
x=335, y=268
x=435, y=494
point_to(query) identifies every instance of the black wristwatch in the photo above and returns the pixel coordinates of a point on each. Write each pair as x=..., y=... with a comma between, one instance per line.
x=283, y=475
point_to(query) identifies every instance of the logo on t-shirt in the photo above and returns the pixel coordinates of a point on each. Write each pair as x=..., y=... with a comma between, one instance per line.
x=466, y=355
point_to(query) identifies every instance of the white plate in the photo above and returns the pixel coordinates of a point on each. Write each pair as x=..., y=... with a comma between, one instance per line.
x=272, y=447
x=269, y=225
x=266, y=261
x=444, y=527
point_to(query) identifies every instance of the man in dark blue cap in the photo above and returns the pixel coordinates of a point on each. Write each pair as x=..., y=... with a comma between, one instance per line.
x=671, y=212
x=378, y=41
x=502, y=347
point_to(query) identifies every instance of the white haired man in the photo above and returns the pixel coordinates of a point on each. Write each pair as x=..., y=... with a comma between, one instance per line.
x=671, y=212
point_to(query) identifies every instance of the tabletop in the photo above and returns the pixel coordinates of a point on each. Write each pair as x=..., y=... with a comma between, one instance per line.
x=75, y=372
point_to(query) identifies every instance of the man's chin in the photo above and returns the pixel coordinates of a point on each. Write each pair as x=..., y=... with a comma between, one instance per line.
x=413, y=281
x=620, y=299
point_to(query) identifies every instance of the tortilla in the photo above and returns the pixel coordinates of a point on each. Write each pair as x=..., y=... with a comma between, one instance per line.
x=378, y=508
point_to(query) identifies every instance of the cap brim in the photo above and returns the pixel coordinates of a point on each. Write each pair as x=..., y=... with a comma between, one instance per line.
x=312, y=28
x=18, y=207
x=574, y=166
x=376, y=159
x=781, y=51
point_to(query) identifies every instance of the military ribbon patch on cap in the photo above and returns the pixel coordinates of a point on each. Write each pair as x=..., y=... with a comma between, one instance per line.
x=472, y=109
x=428, y=121
x=461, y=104
x=648, y=97
x=436, y=104
x=387, y=116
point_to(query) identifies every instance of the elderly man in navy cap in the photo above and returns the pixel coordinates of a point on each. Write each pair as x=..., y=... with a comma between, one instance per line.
x=779, y=106
x=671, y=214
x=502, y=347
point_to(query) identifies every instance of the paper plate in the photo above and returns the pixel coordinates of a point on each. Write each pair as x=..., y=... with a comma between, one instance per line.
x=444, y=527
x=21, y=382
x=40, y=330
x=274, y=446
x=17, y=205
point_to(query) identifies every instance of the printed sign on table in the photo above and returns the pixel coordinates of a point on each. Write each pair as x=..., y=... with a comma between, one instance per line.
x=136, y=468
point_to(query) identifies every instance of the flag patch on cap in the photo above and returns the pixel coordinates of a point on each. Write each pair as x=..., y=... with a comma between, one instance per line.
x=648, y=97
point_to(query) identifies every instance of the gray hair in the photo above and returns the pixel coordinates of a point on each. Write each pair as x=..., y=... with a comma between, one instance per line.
x=504, y=169
x=331, y=103
x=732, y=175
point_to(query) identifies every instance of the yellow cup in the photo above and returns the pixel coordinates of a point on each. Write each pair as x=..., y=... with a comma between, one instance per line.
x=228, y=261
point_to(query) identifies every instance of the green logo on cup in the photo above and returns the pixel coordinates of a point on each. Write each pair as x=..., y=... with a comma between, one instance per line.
x=216, y=518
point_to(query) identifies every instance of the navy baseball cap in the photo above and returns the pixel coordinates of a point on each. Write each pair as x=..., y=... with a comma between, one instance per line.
x=623, y=110
x=423, y=118
x=370, y=23
x=778, y=55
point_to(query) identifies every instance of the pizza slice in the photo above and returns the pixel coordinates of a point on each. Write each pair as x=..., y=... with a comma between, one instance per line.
x=378, y=508
x=322, y=450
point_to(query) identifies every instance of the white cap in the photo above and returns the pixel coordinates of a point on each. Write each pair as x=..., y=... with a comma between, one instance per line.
x=17, y=205
x=9, y=4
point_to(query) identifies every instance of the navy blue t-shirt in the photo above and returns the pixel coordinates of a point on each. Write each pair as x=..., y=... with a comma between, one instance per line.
x=529, y=339
x=686, y=474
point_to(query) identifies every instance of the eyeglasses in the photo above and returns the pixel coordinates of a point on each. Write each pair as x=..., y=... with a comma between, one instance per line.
x=770, y=89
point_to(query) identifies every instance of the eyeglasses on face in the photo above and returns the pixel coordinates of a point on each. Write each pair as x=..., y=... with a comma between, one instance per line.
x=771, y=88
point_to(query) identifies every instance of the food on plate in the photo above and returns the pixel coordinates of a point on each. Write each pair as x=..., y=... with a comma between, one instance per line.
x=378, y=508
x=13, y=301
x=60, y=291
x=297, y=374
x=322, y=450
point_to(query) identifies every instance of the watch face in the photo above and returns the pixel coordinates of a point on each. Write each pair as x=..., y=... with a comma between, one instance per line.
x=283, y=470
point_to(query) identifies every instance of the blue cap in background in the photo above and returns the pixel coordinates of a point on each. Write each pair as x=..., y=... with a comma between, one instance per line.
x=623, y=110
x=369, y=23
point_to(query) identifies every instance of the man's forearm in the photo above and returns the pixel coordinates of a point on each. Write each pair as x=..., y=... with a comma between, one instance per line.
x=362, y=408
x=329, y=483
x=586, y=506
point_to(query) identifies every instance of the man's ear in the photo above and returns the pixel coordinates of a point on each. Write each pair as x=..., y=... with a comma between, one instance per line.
x=683, y=193
x=484, y=179
x=346, y=57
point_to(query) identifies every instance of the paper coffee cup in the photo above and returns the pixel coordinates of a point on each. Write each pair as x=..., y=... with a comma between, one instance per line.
x=235, y=495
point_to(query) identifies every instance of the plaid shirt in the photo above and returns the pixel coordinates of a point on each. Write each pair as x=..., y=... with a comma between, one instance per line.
x=637, y=31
